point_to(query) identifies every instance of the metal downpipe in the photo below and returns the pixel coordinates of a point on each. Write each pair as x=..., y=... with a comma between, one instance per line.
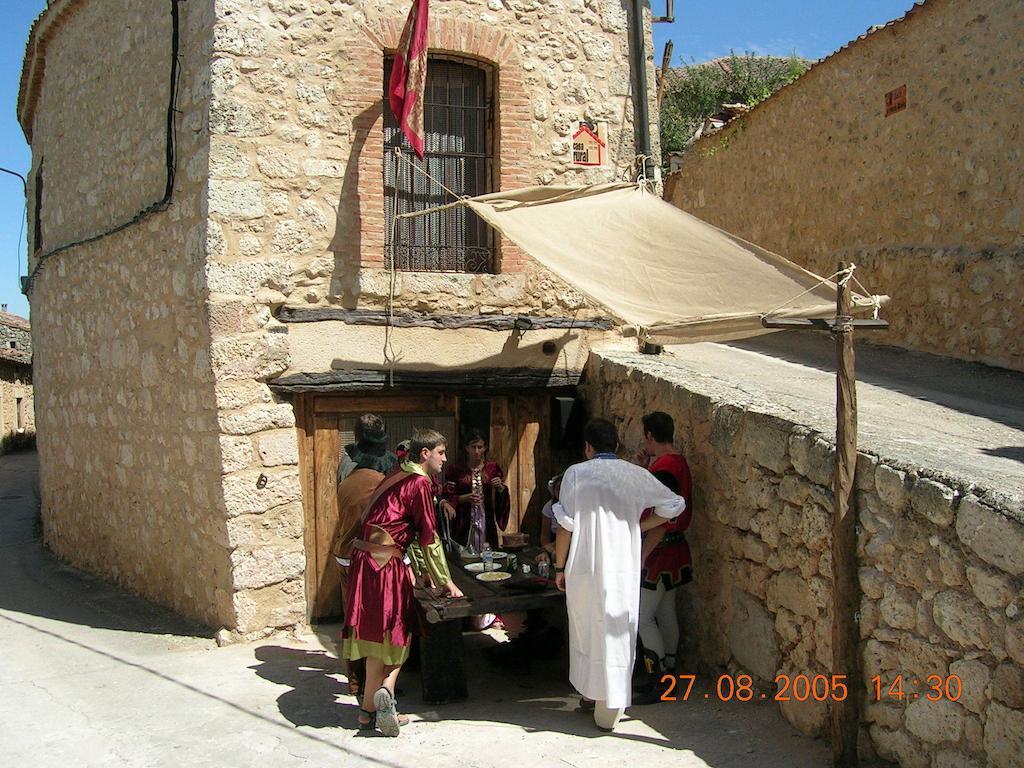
x=643, y=129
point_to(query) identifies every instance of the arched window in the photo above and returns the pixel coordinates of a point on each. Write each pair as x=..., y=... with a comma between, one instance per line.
x=458, y=152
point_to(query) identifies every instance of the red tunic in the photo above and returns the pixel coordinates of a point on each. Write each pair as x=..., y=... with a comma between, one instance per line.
x=670, y=562
x=380, y=605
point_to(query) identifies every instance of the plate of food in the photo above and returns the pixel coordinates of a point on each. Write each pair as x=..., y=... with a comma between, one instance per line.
x=493, y=576
x=474, y=567
x=499, y=555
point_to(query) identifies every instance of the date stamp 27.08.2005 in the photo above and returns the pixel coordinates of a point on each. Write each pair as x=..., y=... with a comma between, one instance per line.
x=817, y=687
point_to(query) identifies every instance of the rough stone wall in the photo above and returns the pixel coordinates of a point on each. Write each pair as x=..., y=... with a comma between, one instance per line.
x=128, y=436
x=22, y=337
x=941, y=572
x=296, y=160
x=296, y=211
x=926, y=201
x=15, y=384
x=95, y=178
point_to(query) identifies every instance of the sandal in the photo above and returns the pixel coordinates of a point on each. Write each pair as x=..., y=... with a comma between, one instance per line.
x=388, y=719
x=367, y=720
x=370, y=721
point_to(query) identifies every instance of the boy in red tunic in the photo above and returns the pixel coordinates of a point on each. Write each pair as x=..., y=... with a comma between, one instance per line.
x=380, y=614
x=666, y=555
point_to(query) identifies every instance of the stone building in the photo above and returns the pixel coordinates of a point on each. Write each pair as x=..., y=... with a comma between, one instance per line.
x=940, y=558
x=212, y=209
x=900, y=152
x=15, y=332
x=16, y=411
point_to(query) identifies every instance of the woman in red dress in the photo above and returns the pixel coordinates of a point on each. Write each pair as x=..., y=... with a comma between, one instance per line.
x=479, y=495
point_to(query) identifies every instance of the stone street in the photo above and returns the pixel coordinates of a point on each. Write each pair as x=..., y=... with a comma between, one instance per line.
x=93, y=676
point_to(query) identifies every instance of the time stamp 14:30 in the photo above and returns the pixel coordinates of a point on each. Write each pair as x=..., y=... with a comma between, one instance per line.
x=814, y=687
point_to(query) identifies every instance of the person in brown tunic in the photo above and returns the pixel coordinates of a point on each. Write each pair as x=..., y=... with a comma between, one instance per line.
x=365, y=463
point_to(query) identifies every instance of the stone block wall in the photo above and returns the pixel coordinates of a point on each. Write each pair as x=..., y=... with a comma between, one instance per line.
x=953, y=301
x=15, y=331
x=296, y=214
x=15, y=386
x=128, y=433
x=93, y=179
x=940, y=569
x=296, y=186
x=927, y=201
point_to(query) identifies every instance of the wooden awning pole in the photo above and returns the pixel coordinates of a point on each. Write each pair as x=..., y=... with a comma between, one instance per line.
x=845, y=633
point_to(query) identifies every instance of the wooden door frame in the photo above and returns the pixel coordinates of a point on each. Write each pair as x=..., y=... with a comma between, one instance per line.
x=527, y=423
x=308, y=406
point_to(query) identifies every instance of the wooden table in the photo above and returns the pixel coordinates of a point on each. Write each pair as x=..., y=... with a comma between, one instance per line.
x=441, y=650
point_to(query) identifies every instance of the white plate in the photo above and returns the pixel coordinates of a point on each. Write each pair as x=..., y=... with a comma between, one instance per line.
x=499, y=555
x=494, y=576
x=474, y=567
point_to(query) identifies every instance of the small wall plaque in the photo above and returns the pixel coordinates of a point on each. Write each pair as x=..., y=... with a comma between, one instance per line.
x=588, y=145
x=896, y=100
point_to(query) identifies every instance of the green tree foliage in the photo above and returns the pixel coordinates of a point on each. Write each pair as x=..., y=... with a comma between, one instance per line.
x=696, y=92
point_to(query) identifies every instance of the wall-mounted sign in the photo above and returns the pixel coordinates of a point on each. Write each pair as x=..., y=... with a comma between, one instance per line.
x=589, y=143
x=896, y=100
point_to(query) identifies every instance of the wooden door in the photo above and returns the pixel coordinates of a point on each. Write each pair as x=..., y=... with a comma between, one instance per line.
x=520, y=443
x=325, y=427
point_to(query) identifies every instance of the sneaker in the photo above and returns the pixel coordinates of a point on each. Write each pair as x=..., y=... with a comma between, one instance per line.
x=387, y=714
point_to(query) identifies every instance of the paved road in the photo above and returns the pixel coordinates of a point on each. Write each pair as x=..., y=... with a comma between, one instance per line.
x=957, y=420
x=91, y=676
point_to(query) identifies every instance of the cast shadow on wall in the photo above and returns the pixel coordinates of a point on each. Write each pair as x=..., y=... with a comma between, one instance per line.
x=553, y=358
x=348, y=239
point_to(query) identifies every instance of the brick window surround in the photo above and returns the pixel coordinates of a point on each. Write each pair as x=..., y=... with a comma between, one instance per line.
x=458, y=124
x=490, y=46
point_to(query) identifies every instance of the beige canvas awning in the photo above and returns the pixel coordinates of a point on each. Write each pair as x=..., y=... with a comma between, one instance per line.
x=667, y=273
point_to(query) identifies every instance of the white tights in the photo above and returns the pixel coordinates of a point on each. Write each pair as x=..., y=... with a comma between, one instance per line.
x=659, y=627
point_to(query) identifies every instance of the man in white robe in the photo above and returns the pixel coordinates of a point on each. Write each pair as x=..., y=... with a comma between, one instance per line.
x=597, y=563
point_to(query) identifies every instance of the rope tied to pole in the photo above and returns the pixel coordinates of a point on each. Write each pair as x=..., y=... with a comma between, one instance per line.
x=643, y=181
x=845, y=275
x=841, y=277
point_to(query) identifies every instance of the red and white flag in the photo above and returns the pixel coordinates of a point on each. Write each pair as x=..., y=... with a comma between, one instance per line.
x=409, y=76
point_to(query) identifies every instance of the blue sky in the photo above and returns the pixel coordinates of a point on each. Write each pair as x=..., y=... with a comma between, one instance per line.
x=813, y=30
x=702, y=31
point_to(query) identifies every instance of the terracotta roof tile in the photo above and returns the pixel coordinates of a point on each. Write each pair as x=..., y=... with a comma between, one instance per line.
x=15, y=356
x=14, y=321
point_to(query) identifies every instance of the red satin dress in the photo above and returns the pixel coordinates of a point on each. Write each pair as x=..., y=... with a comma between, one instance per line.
x=380, y=607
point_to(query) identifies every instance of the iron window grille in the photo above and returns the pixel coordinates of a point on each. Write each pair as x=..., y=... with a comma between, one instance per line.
x=457, y=152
